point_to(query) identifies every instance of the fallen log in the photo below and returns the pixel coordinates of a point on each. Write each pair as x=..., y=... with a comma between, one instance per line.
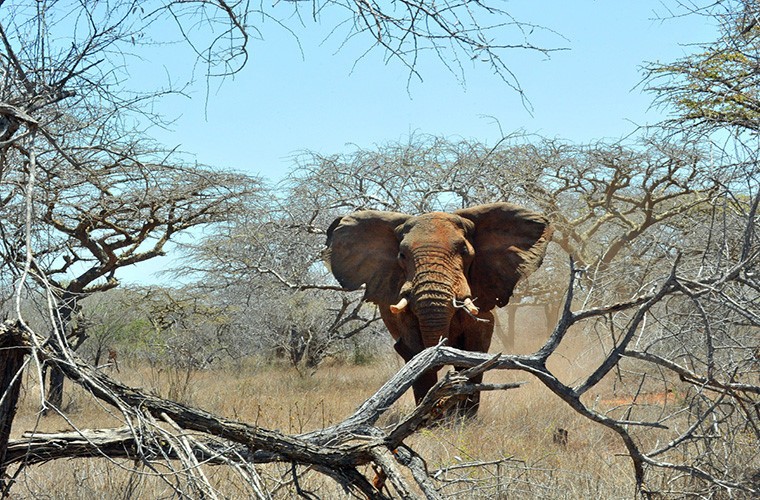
x=336, y=451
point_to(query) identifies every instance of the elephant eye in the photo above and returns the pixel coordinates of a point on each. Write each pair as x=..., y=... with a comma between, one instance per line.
x=465, y=249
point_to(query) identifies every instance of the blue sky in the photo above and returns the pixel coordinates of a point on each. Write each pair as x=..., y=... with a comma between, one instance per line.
x=284, y=101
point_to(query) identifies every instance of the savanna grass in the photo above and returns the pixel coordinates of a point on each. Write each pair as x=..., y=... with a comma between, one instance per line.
x=513, y=438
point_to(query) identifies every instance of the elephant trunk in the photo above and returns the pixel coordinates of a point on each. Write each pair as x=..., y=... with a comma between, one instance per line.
x=434, y=318
x=433, y=292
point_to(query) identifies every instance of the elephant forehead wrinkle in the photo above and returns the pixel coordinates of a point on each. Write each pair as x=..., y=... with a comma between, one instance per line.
x=438, y=266
x=422, y=275
x=433, y=259
x=431, y=255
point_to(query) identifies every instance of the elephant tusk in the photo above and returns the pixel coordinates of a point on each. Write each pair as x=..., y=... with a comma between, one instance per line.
x=469, y=306
x=472, y=308
x=395, y=309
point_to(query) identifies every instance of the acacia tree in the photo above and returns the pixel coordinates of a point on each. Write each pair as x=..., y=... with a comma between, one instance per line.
x=717, y=87
x=99, y=211
x=265, y=271
x=714, y=95
x=84, y=190
x=612, y=205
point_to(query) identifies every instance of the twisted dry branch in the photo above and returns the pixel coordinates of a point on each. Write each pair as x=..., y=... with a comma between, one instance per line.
x=337, y=451
x=340, y=450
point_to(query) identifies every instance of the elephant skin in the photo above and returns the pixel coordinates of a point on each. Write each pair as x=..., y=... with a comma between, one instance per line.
x=438, y=275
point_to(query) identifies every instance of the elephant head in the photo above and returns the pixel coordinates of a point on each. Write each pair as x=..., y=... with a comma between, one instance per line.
x=437, y=275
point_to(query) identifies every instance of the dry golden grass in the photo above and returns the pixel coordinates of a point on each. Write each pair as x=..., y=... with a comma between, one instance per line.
x=515, y=428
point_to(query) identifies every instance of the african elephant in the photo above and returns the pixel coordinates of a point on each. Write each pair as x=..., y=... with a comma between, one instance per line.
x=438, y=275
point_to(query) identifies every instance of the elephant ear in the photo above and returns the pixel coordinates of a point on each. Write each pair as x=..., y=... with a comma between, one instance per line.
x=362, y=248
x=510, y=243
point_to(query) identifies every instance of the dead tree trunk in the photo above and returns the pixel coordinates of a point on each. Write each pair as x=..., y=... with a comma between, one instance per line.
x=68, y=309
x=12, y=352
x=55, y=389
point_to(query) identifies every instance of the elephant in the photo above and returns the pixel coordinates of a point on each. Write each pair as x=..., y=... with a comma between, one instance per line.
x=438, y=275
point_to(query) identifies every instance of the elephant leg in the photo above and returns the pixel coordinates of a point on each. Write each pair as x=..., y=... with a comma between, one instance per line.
x=423, y=384
x=404, y=350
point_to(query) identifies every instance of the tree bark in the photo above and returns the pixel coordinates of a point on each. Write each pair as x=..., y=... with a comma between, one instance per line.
x=68, y=309
x=12, y=352
x=55, y=389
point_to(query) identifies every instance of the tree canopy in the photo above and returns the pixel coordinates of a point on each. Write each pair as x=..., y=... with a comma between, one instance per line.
x=717, y=87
